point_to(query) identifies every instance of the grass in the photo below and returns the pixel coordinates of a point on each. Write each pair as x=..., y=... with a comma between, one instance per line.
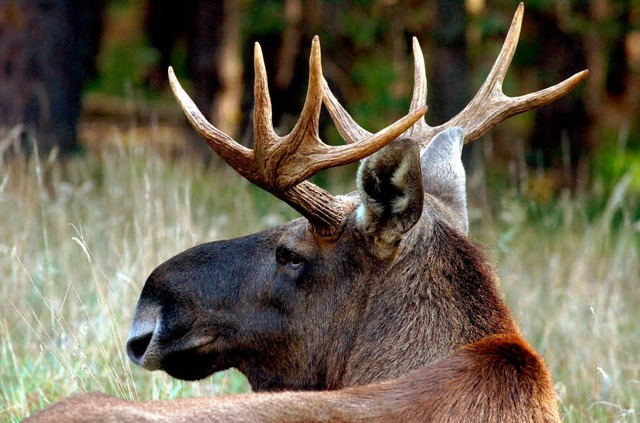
x=78, y=239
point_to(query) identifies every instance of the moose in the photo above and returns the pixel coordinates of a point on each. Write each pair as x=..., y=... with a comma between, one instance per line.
x=373, y=306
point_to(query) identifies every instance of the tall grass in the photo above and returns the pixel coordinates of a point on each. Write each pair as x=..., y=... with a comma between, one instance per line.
x=78, y=238
x=573, y=282
x=77, y=241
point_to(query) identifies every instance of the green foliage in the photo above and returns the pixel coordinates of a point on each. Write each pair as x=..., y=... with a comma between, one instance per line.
x=361, y=28
x=374, y=75
x=123, y=66
x=264, y=17
x=126, y=57
x=614, y=160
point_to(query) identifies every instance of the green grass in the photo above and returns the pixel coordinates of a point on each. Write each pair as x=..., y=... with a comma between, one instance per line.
x=78, y=239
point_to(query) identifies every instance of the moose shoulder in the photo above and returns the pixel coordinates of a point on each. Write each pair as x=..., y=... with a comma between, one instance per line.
x=376, y=302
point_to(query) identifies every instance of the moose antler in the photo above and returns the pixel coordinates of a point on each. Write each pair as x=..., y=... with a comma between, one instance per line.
x=489, y=107
x=282, y=165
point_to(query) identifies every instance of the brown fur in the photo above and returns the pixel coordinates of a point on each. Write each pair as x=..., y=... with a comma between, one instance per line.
x=497, y=379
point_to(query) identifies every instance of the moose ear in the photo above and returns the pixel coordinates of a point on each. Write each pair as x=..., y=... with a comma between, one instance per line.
x=444, y=175
x=390, y=187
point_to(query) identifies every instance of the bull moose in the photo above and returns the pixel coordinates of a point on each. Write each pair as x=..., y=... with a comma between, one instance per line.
x=374, y=306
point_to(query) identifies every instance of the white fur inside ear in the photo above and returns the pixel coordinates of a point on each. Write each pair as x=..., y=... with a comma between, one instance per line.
x=399, y=178
x=362, y=217
x=400, y=204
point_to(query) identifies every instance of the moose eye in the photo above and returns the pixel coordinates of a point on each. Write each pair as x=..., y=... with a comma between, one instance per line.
x=288, y=258
x=295, y=262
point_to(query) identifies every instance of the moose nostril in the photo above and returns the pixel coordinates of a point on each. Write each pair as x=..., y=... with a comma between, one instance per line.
x=137, y=346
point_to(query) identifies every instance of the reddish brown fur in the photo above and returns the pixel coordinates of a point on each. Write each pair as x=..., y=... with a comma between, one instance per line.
x=499, y=378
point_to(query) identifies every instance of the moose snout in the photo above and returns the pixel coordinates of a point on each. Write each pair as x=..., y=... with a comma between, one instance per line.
x=140, y=345
x=137, y=347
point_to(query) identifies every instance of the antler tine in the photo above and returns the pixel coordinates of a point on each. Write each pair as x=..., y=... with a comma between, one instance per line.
x=501, y=65
x=359, y=140
x=491, y=89
x=348, y=129
x=277, y=156
x=325, y=212
x=490, y=105
x=355, y=151
x=419, y=97
x=263, y=133
x=235, y=155
x=354, y=133
x=307, y=125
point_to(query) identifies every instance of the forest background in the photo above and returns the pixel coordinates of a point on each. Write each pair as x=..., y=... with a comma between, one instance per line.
x=102, y=179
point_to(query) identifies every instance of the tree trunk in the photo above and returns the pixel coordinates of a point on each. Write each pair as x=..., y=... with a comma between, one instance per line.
x=47, y=50
x=450, y=74
x=226, y=105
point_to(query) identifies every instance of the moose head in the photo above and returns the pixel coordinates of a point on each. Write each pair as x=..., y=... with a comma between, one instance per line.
x=364, y=287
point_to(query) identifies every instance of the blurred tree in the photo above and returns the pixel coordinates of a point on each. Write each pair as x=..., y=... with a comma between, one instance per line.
x=571, y=36
x=225, y=110
x=450, y=76
x=561, y=136
x=47, y=52
x=202, y=24
x=449, y=79
x=278, y=26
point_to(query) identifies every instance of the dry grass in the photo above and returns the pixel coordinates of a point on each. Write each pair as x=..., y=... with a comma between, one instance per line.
x=574, y=285
x=78, y=239
x=77, y=242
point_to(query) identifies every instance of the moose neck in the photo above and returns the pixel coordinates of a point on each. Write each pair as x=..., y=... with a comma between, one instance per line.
x=445, y=299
